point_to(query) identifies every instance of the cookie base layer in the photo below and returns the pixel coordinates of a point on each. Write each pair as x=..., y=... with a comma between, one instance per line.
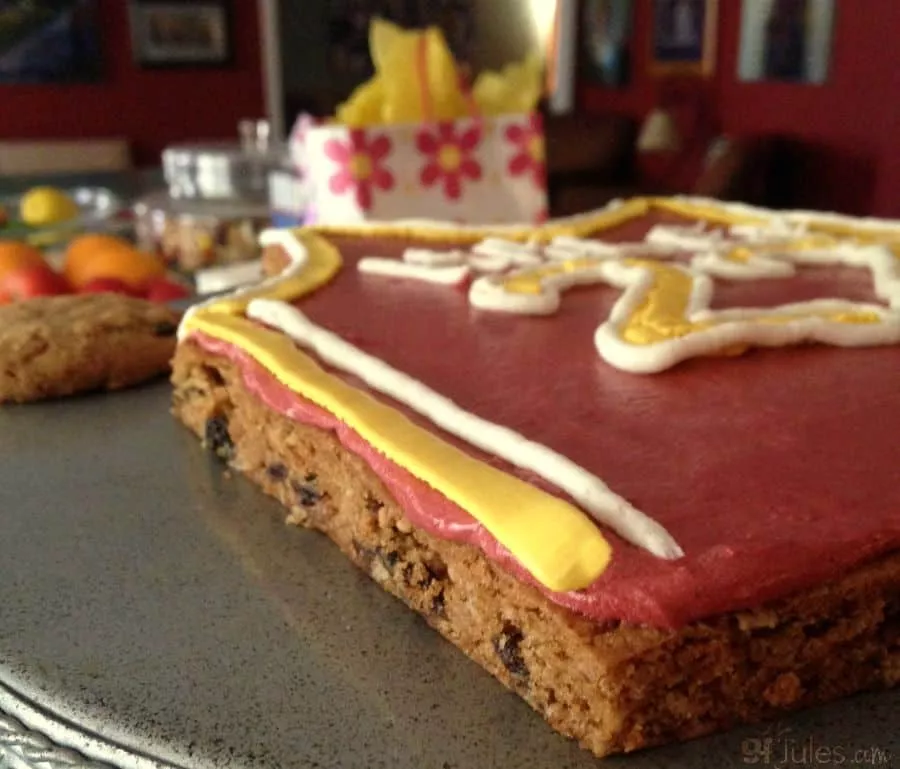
x=613, y=687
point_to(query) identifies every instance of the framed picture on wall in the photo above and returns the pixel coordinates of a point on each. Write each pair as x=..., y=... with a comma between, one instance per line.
x=605, y=41
x=49, y=41
x=683, y=37
x=787, y=40
x=189, y=33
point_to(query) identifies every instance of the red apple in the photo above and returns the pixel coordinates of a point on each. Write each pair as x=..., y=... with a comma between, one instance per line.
x=28, y=282
x=165, y=290
x=109, y=286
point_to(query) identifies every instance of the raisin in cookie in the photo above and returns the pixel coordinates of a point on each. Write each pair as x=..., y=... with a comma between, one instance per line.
x=54, y=346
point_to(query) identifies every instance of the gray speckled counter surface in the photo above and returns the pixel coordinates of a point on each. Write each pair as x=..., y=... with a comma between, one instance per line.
x=154, y=612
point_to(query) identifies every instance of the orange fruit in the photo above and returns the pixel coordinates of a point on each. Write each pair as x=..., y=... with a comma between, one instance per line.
x=15, y=255
x=82, y=249
x=90, y=257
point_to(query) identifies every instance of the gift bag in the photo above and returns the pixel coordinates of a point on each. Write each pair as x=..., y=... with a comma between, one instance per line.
x=413, y=144
x=475, y=170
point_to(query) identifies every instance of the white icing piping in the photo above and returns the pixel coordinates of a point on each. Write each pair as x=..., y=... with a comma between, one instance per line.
x=883, y=265
x=448, y=276
x=735, y=326
x=775, y=227
x=429, y=258
x=565, y=247
x=713, y=248
x=774, y=263
x=603, y=263
x=520, y=254
x=488, y=293
x=587, y=489
x=492, y=264
x=454, y=267
x=757, y=266
x=796, y=218
x=693, y=237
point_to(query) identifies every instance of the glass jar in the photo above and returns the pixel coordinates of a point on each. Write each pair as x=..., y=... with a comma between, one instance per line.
x=192, y=234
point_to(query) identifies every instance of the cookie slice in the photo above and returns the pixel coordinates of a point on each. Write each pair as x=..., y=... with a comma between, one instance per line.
x=56, y=346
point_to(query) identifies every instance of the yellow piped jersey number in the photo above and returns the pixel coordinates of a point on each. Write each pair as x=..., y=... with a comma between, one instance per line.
x=662, y=313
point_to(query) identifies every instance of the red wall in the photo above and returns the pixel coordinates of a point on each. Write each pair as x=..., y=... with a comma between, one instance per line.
x=150, y=107
x=854, y=118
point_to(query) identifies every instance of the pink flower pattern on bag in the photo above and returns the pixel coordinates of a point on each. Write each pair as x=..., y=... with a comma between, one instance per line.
x=361, y=168
x=529, y=158
x=449, y=156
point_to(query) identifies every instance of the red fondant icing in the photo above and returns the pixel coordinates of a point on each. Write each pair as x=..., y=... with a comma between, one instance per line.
x=774, y=471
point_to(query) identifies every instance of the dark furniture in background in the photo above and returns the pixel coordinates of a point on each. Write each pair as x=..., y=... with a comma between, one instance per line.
x=592, y=160
x=589, y=158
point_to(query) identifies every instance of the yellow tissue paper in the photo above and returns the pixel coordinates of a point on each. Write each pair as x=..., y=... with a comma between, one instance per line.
x=417, y=79
x=517, y=88
x=364, y=107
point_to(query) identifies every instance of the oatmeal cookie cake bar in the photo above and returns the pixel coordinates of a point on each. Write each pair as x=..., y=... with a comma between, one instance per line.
x=429, y=399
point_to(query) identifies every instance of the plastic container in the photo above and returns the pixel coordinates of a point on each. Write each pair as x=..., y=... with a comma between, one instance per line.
x=219, y=171
x=288, y=196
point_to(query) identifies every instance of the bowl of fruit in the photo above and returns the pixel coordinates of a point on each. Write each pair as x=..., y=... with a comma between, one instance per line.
x=91, y=263
x=47, y=216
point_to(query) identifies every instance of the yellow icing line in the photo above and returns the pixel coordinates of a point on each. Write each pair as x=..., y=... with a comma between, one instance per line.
x=575, y=227
x=554, y=540
x=663, y=312
x=708, y=213
x=581, y=226
x=717, y=215
x=323, y=262
x=530, y=281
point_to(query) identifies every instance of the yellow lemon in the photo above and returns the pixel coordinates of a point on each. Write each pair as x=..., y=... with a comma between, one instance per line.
x=47, y=205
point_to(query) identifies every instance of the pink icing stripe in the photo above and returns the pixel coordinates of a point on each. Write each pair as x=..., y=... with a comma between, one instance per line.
x=637, y=588
x=426, y=508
